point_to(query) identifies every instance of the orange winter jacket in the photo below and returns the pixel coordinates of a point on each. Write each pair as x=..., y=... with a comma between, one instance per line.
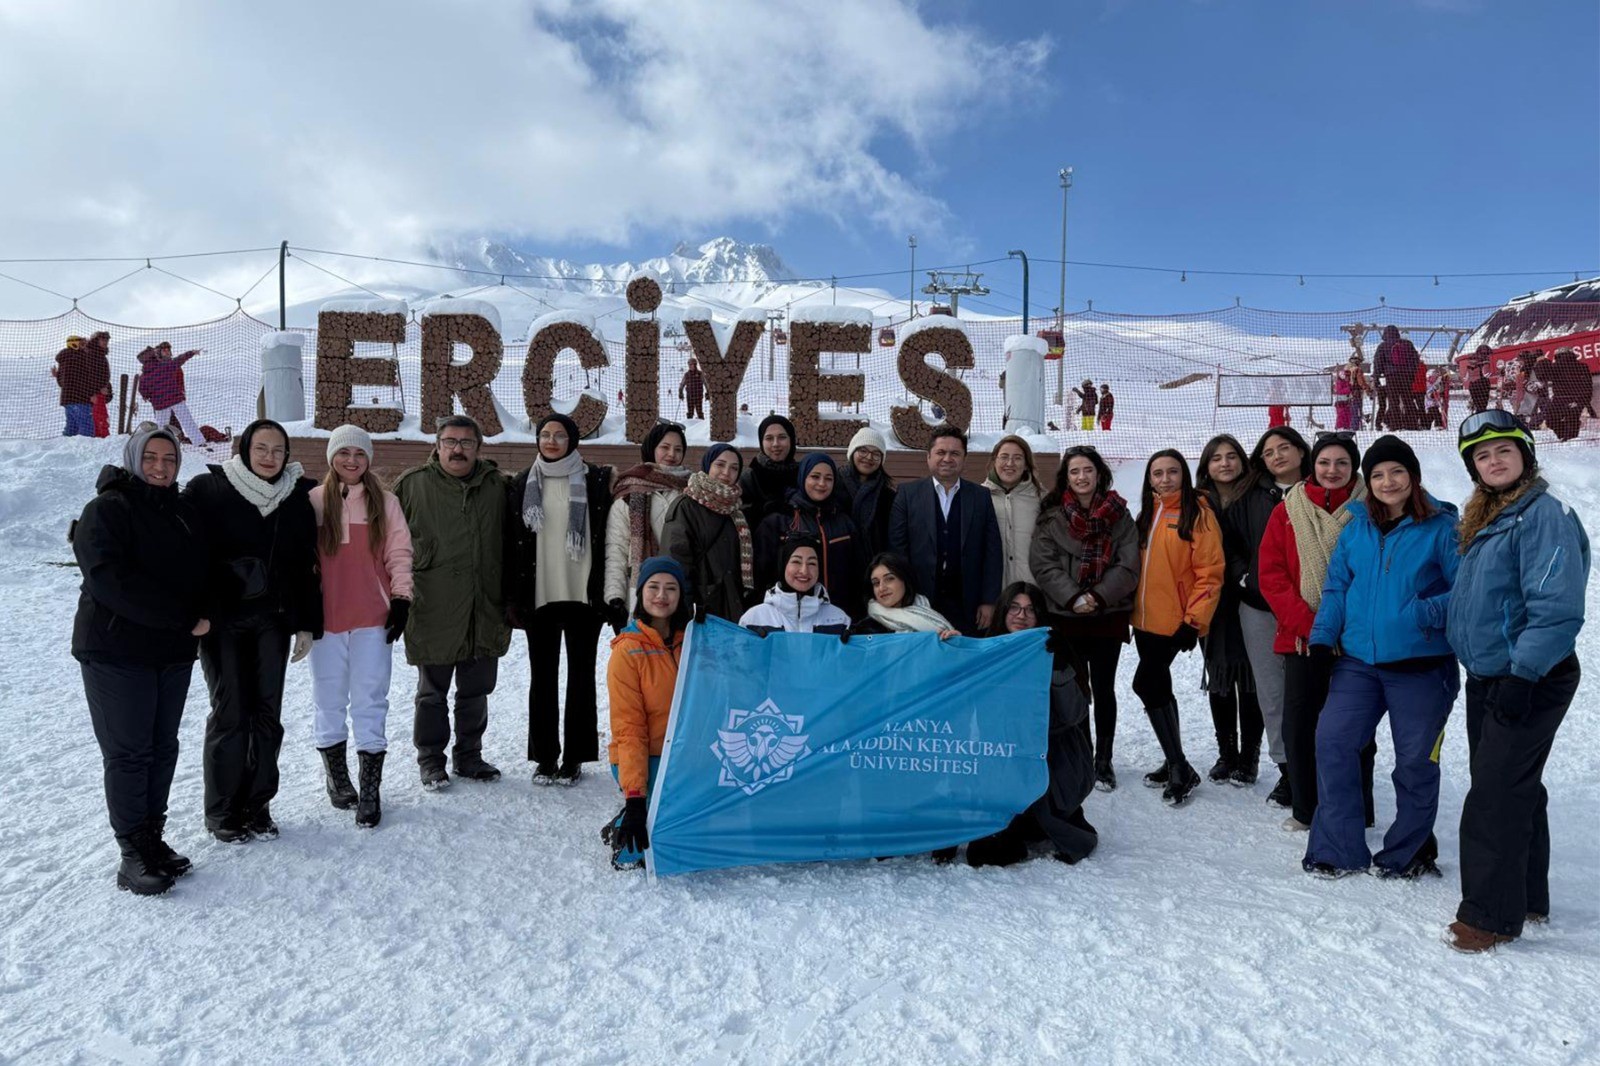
x=640, y=678
x=1179, y=580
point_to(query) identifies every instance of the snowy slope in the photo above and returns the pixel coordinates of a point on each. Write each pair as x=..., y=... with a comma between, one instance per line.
x=485, y=925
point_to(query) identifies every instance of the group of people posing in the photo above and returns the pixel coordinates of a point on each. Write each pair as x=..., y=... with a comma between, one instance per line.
x=1323, y=588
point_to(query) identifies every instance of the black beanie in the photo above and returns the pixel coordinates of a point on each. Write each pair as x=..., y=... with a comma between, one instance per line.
x=1330, y=441
x=776, y=420
x=653, y=439
x=1391, y=449
x=567, y=424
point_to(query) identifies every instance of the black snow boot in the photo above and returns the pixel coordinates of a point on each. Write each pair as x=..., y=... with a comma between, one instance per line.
x=1157, y=778
x=1280, y=795
x=336, y=776
x=1164, y=721
x=1245, y=770
x=369, y=808
x=140, y=873
x=169, y=860
x=1227, y=756
x=1005, y=848
x=1182, y=782
x=261, y=825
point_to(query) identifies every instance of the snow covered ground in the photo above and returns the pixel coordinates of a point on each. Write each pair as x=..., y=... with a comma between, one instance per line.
x=486, y=925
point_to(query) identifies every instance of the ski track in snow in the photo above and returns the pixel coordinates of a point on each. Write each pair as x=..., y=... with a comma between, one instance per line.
x=485, y=924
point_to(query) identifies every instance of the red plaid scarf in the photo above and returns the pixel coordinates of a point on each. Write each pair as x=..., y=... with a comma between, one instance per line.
x=1092, y=527
x=722, y=499
x=637, y=485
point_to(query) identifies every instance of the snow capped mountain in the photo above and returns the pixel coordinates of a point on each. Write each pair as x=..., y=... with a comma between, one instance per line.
x=721, y=261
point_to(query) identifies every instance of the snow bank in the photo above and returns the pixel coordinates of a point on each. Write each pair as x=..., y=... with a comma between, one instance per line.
x=1025, y=342
x=559, y=317
x=456, y=306
x=931, y=322
x=369, y=307
x=486, y=924
x=275, y=339
x=832, y=314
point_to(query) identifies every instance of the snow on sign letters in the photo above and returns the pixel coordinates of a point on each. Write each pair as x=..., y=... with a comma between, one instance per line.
x=820, y=330
x=790, y=749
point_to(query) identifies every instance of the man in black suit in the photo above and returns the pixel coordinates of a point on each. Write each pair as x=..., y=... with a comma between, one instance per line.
x=946, y=527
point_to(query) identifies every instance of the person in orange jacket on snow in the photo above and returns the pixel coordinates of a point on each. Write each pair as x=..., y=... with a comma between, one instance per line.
x=640, y=679
x=1180, y=581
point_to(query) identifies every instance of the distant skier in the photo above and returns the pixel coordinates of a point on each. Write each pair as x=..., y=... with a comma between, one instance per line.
x=1089, y=401
x=1571, y=389
x=1108, y=405
x=82, y=372
x=161, y=383
x=692, y=390
x=1477, y=378
x=1350, y=387
x=1395, y=363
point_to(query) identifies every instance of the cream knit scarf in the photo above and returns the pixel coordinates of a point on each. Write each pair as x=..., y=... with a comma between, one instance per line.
x=1315, y=533
x=264, y=495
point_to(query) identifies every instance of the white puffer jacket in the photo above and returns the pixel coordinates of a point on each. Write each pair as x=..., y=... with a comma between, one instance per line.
x=795, y=613
x=619, y=584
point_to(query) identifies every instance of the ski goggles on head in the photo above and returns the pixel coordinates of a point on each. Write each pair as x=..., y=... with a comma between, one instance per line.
x=1493, y=424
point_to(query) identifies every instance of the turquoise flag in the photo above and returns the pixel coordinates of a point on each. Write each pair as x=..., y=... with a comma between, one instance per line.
x=797, y=747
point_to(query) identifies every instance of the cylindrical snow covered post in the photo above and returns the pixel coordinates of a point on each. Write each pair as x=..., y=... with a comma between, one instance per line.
x=283, y=383
x=1024, y=384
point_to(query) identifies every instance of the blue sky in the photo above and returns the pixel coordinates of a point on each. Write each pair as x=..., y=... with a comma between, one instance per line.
x=1315, y=136
x=1329, y=137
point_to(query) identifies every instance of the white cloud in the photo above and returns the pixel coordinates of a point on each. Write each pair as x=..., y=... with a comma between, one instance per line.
x=163, y=126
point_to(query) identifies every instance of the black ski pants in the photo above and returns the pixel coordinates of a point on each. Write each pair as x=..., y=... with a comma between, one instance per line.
x=244, y=669
x=1100, y=656
x=1505, y=836
x=1305, y=690
x=135, y=711
x=577, y=625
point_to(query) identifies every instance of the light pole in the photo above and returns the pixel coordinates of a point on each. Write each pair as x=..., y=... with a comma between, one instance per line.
x=1061, y=364
x=911, y=242
x=1024, y=255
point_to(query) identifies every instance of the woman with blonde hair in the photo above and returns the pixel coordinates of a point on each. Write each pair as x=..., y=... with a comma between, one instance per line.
x=364, y=552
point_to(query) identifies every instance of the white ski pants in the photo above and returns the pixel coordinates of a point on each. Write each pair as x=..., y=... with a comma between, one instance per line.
x=191, y=428
x=350, y=675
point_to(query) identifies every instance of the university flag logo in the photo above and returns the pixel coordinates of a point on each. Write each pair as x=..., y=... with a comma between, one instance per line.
x=759, y=748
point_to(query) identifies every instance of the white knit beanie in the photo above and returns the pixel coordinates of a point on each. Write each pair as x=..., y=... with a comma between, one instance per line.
x=866, y=437
x=348, y=436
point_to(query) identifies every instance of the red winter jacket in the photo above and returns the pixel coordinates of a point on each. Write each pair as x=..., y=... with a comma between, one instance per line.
x=1278, y=569
x=161, y=380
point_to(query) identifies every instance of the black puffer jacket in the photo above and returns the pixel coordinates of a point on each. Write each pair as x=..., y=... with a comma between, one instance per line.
x=843, y=555
x=1243, y=526
x=143, y=561
x=765, y=486
x=285, y=542
x=872, y=502
x=522, y=544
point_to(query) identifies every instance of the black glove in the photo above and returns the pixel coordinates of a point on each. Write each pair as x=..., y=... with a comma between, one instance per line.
x=844, y=637
x=1187, y=637
x=617, y=615
x=631, y=834
x=395, y=625
x=700, y=613
x=1322, y=654
x=1510, y=699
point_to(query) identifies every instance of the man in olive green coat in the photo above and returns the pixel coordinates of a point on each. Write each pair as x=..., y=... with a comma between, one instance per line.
x=455, y=504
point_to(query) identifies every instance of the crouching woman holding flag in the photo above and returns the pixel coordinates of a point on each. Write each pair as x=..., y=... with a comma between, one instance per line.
x=640, y=679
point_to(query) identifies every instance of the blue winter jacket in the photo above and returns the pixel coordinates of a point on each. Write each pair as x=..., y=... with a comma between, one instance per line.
x=1522, y=584
x=1387, y=595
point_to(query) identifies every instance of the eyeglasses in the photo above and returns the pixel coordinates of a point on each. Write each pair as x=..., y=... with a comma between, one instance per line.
x=267, y=451
x=1336, y=434
x=458, y=444
x=552, y=438
x=1021, y=610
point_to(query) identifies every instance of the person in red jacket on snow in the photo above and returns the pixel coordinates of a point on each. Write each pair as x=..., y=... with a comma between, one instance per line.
x=161, y=383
